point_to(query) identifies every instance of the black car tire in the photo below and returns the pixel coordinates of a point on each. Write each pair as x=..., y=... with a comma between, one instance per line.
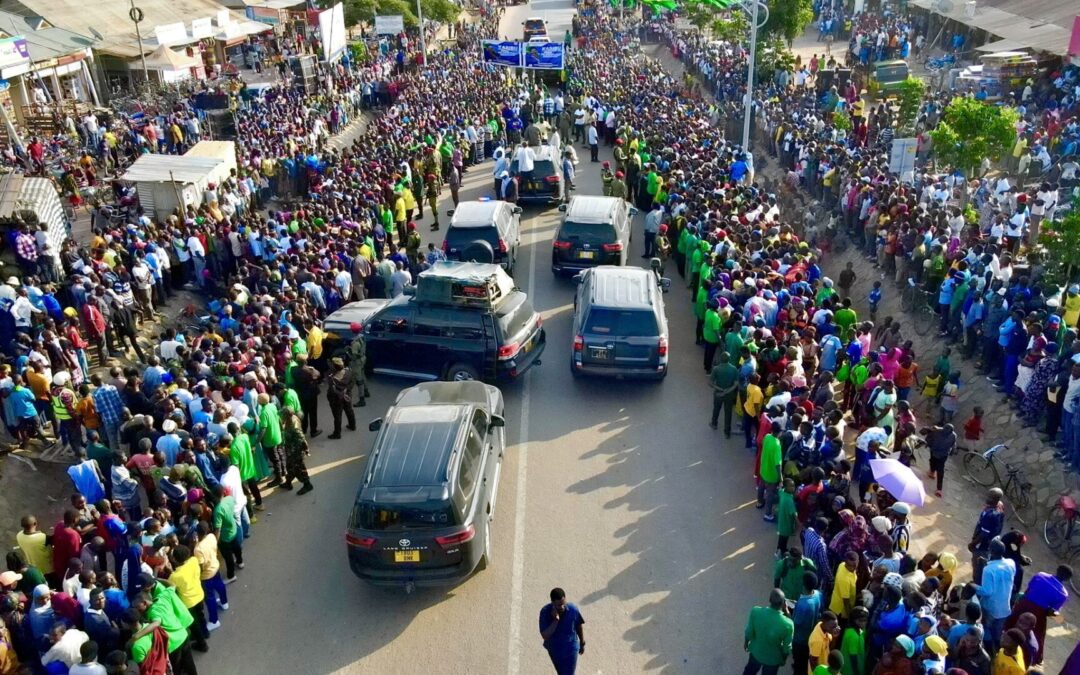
x=478, y=251
x=460, y=372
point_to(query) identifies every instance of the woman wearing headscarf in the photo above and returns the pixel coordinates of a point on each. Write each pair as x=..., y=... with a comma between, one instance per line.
x=41, y=613
x=1045, y=372
x=851, y=538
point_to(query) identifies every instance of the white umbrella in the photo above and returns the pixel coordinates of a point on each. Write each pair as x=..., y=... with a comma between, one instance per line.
x=899, y=480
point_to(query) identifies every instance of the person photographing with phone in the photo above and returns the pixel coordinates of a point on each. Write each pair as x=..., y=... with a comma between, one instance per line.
x=561, y=627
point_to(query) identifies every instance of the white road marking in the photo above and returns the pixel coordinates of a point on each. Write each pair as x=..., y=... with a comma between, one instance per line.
x=518, y=570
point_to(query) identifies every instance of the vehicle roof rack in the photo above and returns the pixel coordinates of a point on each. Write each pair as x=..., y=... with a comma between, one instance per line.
x=464, y=284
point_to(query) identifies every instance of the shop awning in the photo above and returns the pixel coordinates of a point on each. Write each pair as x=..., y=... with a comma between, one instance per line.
x=1001, y=46
x=1014, y=24
x=164, y=58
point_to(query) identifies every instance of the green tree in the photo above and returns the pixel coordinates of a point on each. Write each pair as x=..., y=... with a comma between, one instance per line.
x=442, y=11
x=789, y=18
x=970, y=131
x=732, y=26
x=1060, y=244
x=911, y=93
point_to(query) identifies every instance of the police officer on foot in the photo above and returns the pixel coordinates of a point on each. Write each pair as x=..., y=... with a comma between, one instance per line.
x=358, y=363
x=296, y=449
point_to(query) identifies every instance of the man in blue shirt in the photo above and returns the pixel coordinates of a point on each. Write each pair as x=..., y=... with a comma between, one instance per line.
x=995, y=593
x=561, y=627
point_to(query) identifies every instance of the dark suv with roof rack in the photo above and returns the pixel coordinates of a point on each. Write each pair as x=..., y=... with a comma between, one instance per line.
x=423, y=513
x=464, y=321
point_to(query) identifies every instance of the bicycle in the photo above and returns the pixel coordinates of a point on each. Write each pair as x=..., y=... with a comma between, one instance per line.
x=982, y=467
x=1061, y=526
x=916, y=299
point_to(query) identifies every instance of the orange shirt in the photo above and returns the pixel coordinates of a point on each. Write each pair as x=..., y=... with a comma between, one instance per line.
x=88, y=413
x=39, y=384
x=905, y=377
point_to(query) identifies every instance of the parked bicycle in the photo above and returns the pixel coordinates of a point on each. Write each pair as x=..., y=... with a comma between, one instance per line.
x=1061, y=531
x=919, y=301
x=985, y=469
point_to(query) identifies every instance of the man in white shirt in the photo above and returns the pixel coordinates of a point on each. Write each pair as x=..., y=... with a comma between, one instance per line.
x=526, y=162
x=22, y=310
x=198, y=258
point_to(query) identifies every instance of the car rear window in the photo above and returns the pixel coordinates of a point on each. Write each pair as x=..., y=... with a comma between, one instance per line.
x=894, y=73
x=535, y=25
x=514, y=314
x=541, y=167
x=587, y=232
x=621, y=322
x=372, y=516
x=460, y=237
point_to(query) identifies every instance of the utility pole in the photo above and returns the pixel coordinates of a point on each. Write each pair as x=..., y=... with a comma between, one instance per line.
x=423, y=42
x=136, y=15
x=749, y=103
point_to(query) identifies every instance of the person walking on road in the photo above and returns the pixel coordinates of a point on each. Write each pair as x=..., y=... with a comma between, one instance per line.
x=296, y=449
x=768, y=635
x=561, y=626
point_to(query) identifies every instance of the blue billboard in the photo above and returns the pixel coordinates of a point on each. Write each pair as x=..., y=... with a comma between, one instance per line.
x=544, y=55
x=501, y=53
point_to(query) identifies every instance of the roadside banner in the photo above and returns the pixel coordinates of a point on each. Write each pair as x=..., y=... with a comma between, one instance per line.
x=902, y=158
x=390, y=25
x=544, y=55
x=501, y=53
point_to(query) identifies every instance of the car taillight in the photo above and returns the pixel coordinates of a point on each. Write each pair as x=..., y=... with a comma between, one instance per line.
x=612, y=248
x=561, y=245
x=503, y=248
x=359, y=542
x=579, y=343
x=551, y=179
x=661, y=347
x=445, y=246
x=457, y=538
x=507, y=351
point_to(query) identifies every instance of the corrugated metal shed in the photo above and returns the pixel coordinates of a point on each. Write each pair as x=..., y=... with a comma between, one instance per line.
x=1033, y=24
x=170, y=168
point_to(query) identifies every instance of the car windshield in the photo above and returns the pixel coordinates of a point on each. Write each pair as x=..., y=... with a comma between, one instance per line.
x=587, y=232
x=535, y=25
x=621, y=323
x=371, y=516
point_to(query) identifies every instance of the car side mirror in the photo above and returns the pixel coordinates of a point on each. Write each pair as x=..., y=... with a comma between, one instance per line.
x=517, y=209
x=562, y=207
x=497, y=421
x=665, y=284
x=375, y=424
x=579, y=277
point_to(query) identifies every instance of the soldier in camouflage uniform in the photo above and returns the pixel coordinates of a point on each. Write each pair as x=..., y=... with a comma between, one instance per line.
x=357, y=363
x=296, y=449
x=339, y=392
x=607, y=177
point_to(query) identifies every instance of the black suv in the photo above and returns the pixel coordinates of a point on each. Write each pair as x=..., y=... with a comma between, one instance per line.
x=594, y=231
x=620, y=328
x=545, y=185
x=423, y=513
x=466, y=321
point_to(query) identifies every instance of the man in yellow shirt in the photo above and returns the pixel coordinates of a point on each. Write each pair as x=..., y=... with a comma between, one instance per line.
x=35, y=545
x=821, y=639
x=315, y=337
x=844, y=593
x=206, y=552
x=1010, y=658
x=1071, y=306
x=186, y=579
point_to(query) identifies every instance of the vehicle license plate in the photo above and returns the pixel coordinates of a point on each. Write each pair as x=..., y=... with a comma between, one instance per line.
x=586, y=255
x=598, y=352
x=406, y=556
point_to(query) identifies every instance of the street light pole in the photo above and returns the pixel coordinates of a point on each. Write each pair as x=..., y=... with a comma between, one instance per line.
x=423, y=42
x=749, y=102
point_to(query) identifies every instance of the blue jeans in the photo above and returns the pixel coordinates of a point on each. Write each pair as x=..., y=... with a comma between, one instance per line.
x=1066, y=430
x=214, y=588
x=994, y=628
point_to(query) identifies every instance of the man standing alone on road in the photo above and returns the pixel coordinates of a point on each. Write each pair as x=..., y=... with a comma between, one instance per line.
x=561, y=627
x=652, y=226
x=768, y=636
x=724, y=378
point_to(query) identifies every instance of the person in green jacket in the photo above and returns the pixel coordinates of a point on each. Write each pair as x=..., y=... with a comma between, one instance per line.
x=700, y=301
x=287, y=398
x=789, y=570
x=680, y=251
x=270, y=430
x=768, y=635
x=159, y=602
x=787, y=520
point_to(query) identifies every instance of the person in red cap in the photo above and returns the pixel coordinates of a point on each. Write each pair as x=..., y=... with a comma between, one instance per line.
x=607, y=177
x=618, y=186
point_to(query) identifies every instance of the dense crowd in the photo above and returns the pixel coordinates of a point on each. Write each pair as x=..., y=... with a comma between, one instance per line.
x=174, y=454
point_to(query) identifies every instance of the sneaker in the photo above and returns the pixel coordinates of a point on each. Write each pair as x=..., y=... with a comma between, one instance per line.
x=259, y=507
x=229, y=580
x=223, y=605
x=240, y=566
x=769, y=519
x=213, y=626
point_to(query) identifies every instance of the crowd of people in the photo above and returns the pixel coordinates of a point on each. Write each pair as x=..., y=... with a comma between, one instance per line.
x=173, y=454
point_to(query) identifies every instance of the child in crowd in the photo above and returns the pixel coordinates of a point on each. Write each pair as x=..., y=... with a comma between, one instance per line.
x=950, y=398
x=973, y=428
x=874, y=300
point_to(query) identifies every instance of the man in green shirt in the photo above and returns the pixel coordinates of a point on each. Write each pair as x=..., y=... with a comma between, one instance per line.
x=845, y=319
x=724, y=378
x=768, y=636
x=769, y=471
x=710, y=332
x=159, y=602
x=227, y=533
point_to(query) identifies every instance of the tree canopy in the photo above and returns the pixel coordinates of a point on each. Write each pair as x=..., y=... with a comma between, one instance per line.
x=789, y=18
x=365, y=11
x=971, y=131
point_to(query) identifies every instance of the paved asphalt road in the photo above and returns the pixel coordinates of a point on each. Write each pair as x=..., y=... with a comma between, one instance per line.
x=617, y=491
